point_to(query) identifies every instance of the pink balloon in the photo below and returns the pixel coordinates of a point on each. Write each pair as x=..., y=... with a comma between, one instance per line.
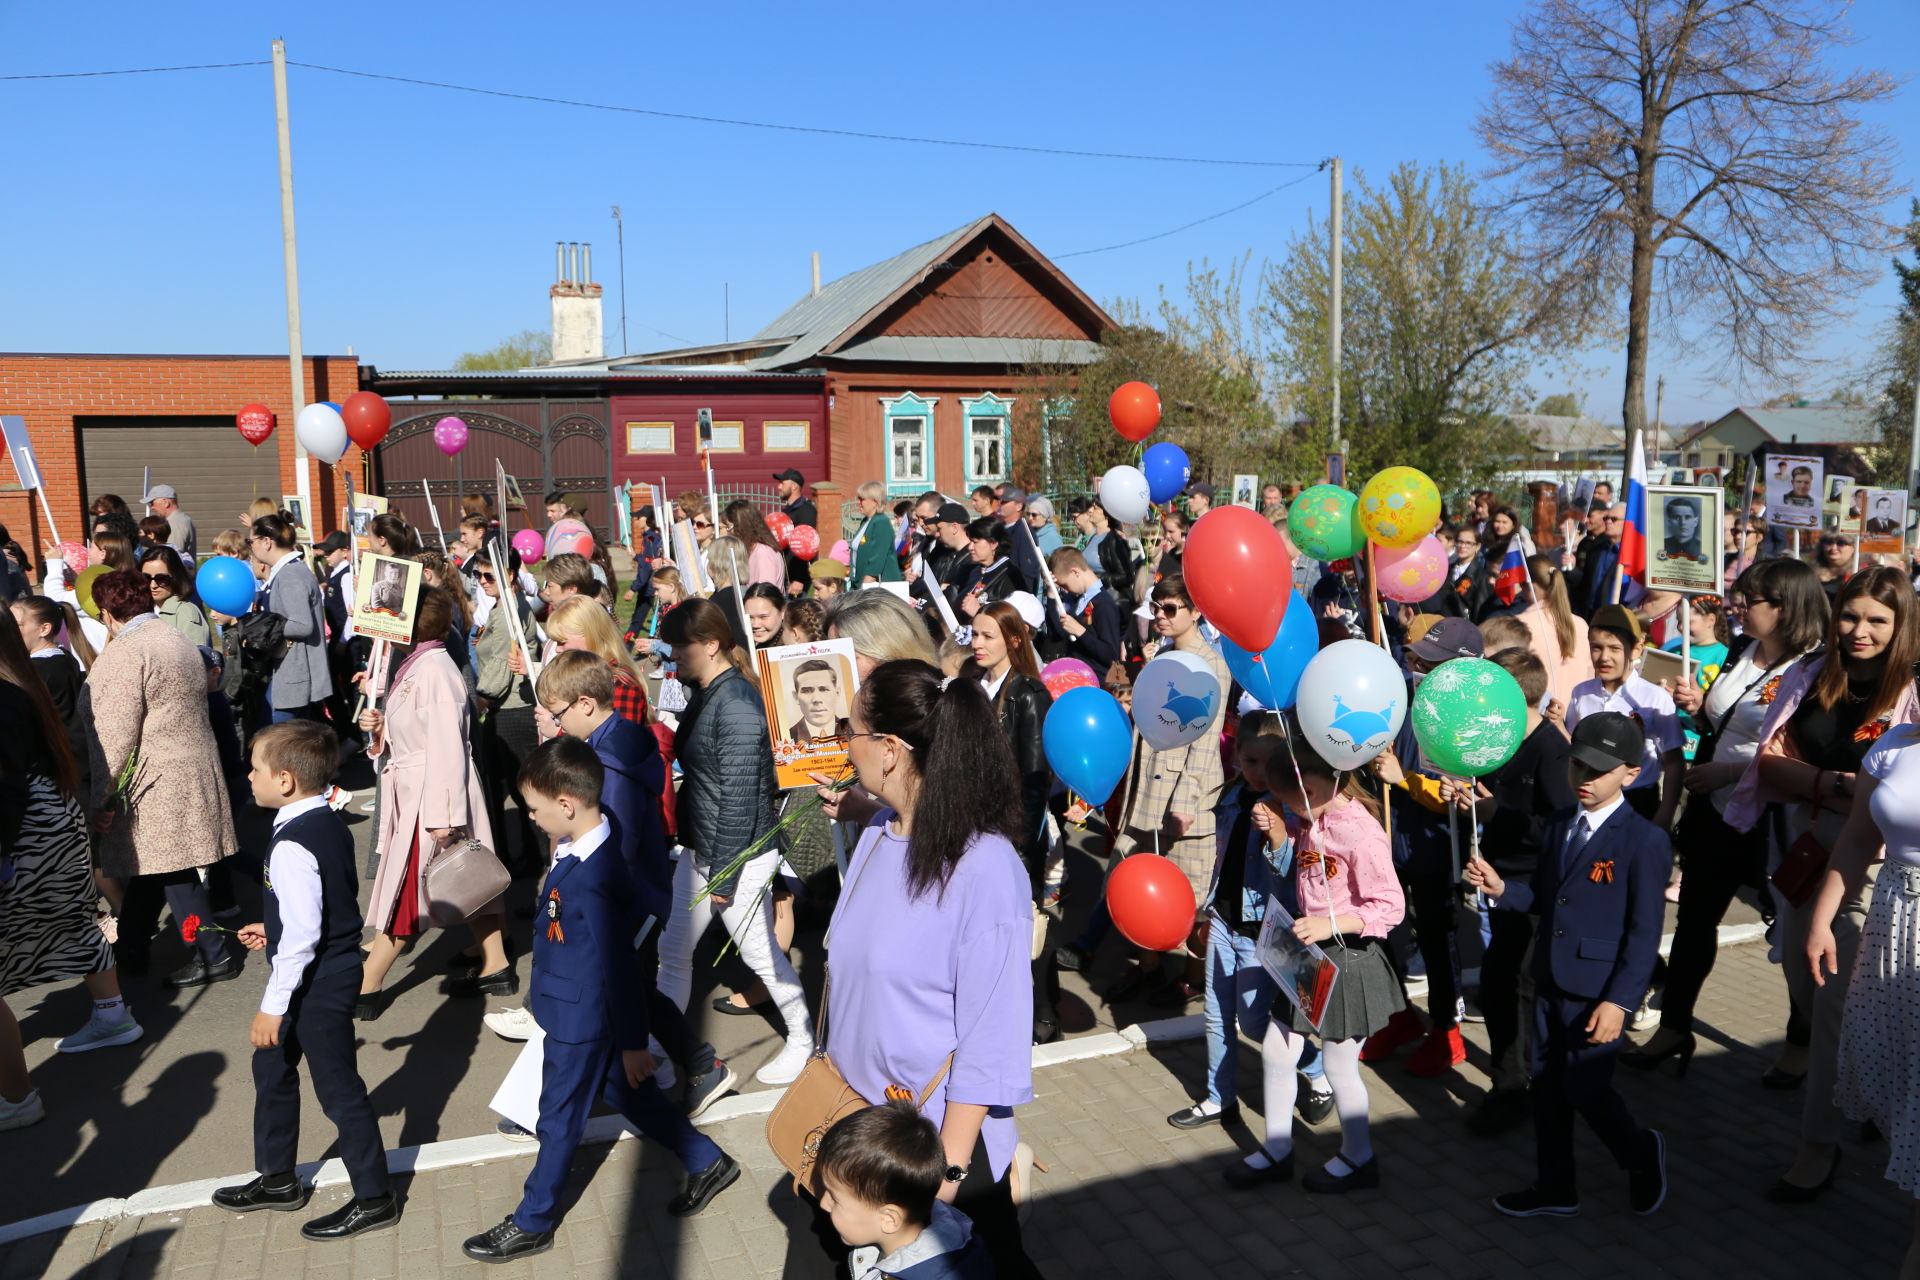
x=530, y=545
x=570, y=535
x=1412, y=574
x=781, y=526
x=451, y=435
x=1063, y=674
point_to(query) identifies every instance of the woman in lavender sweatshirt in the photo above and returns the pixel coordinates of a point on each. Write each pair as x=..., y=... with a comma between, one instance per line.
x=928, y=953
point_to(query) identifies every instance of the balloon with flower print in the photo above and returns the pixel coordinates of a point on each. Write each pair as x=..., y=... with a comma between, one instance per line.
x=1409, y=575
x=1324, y=522
x=1399, y=507
x=450, y=435
x=1469, y=716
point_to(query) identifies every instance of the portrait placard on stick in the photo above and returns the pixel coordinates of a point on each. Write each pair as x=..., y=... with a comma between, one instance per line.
x=386, y=593
x=1683, y=538
x=1305, y=973
x=1794, y=490
x=809, y=689
x=1884, y=532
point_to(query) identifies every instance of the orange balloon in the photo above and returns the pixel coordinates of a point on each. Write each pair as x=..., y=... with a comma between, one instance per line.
x=1135, y=410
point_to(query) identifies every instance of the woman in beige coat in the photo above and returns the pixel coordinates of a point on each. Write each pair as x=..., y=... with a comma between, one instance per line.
x=430, y=794
x=147, y=697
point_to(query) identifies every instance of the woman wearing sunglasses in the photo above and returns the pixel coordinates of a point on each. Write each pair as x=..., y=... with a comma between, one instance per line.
x=171, y=584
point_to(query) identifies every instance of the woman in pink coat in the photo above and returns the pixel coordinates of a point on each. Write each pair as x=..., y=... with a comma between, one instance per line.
x=430, y=794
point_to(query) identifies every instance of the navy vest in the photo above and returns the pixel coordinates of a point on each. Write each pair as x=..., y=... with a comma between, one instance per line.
x=322, y=833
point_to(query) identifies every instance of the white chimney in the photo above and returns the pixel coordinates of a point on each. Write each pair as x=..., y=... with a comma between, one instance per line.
x=577, y=329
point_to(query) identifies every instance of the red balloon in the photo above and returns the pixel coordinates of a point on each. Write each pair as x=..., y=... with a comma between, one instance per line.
x=1238, y=574
x=367, y=417
x=1135, y=410
x=1151, y=901
x=804, y=541
x=782, y=525
x=255, y=422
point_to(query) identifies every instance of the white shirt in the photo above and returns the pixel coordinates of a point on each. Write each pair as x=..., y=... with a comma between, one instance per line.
x=583, y=847
x=1896, y=801
x=1739, y=741
x=1596, y=818
x=293, y=874
x=344, y=572
x=1648, y=704
x=993, y=687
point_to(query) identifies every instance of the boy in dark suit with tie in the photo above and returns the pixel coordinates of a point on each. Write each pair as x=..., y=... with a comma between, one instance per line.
x=1598, y=890
x=592, y=950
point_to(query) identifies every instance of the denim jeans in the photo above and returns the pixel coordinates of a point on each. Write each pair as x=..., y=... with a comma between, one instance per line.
x=1237, y=981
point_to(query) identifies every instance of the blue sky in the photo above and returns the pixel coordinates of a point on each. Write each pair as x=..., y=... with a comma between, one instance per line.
x=143, y=211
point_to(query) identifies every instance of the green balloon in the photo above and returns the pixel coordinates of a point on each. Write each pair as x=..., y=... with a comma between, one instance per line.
x=1469, y=717
x=1324, y=522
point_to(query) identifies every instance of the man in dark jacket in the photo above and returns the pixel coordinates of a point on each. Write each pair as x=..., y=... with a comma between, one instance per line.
x=801, y=511
x=946, y=554
x=1022, y=549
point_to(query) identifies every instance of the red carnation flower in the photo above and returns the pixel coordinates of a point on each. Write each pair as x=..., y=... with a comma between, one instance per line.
x=190, y=928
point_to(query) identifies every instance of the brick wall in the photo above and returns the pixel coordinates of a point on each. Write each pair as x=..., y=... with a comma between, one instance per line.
x=50, y=391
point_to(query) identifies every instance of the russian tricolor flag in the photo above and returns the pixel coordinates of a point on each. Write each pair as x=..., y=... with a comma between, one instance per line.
x=1633, y=533
x=1512, y=574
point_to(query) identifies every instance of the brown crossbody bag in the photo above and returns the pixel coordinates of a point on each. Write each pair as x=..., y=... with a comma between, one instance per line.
x=821, y=1097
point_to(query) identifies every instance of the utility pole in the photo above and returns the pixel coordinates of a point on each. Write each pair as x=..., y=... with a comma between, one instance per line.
x=1336, y=235
x=291, y=257
x=620, y=237
x=1659, y=418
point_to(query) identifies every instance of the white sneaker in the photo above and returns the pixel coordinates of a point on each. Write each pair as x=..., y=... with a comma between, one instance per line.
x=367, y=807
x=511, y=1024
x=101, y=1033
x=18, y=1115
x=1647, y=1016
x=785, y=1069
x=338, y=798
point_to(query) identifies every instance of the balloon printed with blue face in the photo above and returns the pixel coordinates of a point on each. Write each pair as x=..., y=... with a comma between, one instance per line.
x=1176, y=697
x=1167, y=470
x=1352, y=701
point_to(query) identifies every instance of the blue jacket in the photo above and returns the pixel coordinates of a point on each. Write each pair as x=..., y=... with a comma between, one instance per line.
x=588, y=986
x=630, y=798
x=1601, y=914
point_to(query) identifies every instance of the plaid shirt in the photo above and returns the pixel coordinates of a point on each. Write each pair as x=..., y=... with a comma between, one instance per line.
x=629, y=697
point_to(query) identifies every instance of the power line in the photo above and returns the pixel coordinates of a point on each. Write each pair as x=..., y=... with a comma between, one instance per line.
x=1162, y=235
x=700, y=119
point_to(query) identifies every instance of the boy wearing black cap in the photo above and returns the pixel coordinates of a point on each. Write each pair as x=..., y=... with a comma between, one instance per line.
x=1598, y=891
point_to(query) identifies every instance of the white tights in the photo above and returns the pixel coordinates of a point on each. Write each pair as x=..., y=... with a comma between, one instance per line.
x=1280, y=1053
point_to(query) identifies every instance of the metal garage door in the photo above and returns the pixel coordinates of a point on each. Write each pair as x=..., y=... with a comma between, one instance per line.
x=216, y=472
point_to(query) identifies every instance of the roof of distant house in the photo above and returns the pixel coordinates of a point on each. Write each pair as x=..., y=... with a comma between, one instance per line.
x=1553, y=433
x=1805, y=424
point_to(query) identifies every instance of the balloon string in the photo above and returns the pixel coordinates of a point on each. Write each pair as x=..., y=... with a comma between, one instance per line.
x=1316, y=826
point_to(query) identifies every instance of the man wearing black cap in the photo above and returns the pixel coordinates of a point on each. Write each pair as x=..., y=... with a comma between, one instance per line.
x=801, y=511
x=1199, y=499
x=946, y=554
x=1599, y=891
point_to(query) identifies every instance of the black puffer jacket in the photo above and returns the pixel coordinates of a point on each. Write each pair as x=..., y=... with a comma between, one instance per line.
x=726, y=801
x=1023, y=711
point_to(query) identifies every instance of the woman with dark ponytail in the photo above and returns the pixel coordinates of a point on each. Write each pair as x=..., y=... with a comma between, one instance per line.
x=929, y=948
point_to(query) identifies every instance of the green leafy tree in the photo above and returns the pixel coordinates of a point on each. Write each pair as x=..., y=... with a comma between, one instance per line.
x=525, y=348
x=1440, y=329
x=1563, y=405
x=1898, y=363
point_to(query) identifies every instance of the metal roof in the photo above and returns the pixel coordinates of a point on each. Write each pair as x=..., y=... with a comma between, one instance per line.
x=821, y=317
x=974, y=350
x=577, y=373
x=1808, y=424
x=1554, y=433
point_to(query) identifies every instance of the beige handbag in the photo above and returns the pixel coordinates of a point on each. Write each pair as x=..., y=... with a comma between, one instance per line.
x=462, y=876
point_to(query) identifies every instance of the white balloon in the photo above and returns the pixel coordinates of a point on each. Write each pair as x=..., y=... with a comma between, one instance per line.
x=1353, y=700
x=1176, y=699
x=322, y=432
x=1124, y=494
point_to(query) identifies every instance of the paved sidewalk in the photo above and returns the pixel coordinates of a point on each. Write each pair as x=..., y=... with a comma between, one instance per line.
x=1128, y=1196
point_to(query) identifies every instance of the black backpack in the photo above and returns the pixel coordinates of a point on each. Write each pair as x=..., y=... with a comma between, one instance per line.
x=253, y=647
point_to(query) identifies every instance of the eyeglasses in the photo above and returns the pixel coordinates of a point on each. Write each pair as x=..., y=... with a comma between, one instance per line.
x=703, y=524
x=895, y=737
x=159, y=579
x=1169, y=609
x=1611, y=519
x=483, y=575
x=1751, y=601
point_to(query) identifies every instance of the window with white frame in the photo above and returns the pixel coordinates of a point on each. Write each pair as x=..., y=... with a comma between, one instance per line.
x=909, y=442
x=989, y=439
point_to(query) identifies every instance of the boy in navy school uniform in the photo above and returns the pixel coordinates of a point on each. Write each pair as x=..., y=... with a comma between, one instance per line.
x=1599, y=892
x=880, y=1172
x=592, y=947
x=1089, y=629
x=312, y=939
x=576, y=693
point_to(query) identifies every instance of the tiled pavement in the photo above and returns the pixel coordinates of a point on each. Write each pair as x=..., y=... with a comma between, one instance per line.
x=1128, y=1196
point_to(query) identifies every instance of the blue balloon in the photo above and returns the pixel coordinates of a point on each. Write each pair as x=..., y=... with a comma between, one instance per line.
x=1089, y=742
x=331, y=405
x=1273, y=677
x=225, y=585
x=1167, y=470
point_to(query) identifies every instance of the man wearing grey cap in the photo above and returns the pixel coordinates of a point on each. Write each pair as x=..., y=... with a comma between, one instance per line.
x=1021, y=546
x=180, y=535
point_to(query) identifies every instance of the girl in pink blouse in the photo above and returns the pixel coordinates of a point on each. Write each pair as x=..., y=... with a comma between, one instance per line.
x=1349, y=898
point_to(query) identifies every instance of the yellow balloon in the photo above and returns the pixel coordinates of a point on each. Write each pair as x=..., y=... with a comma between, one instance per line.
x=83, y=588
x=1399, y=507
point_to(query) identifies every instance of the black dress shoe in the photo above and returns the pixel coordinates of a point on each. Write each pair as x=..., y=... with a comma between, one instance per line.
x=702, y=1187
x=506, y=1242
x=1314, y=1107
x=725, y=1004
x=354, y=1217
x=1242, y=1176
x=1194, y=1118
x=198, y=973
x=257, y=1195
x=1364, y=1178
x=1501, y=1111
x=1782, y=1081
x=1647, y=1183
x=1681, y=1049
x=1046, y=1030
x=505, y=982
x=369, y=1007
x=1784, y=1192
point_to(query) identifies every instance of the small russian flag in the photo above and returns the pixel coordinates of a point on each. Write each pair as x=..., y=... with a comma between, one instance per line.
x=1633, y=533
x=1512, y=574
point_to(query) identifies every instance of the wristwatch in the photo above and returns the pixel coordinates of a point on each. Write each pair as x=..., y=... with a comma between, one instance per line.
x=955, y=1174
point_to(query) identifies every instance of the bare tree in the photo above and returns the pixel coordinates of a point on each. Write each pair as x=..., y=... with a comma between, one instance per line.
x=1698, y=157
